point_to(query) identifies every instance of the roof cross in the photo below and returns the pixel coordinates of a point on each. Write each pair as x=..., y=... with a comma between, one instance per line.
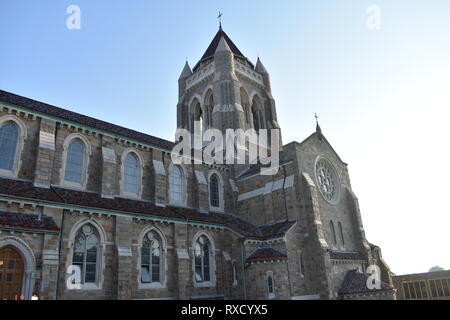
x=220, y=19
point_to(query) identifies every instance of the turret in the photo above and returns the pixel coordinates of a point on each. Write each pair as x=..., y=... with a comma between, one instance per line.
x=186, y=73
x=262, y=71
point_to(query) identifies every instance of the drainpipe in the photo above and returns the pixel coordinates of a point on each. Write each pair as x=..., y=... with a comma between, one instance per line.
x=59, y=254
x=60, y=243
x=244, y=280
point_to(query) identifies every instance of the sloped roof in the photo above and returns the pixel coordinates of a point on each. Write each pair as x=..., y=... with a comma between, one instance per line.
x=346, y=255
x=355, y=282
x=27, y=221
x=266, y=253
x=64, y=114
x=211, y=50
x=90, y=200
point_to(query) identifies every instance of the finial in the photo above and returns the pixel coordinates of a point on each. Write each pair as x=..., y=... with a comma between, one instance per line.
x=318, y=129
x=220, y=20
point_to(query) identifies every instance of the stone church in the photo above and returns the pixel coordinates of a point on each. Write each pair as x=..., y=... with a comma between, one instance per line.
x=92, y=210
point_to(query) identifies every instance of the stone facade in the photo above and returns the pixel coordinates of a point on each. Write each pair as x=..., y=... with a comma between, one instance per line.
x=278, y=225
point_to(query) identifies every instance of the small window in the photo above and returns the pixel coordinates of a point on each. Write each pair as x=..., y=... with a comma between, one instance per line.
x=234, y=273
x=341, y=233
x=333, y=233
x=202, y=258
x=131, y=174
x=270, y=285
x=75, y=162
x=9, y=136
x=301, y=266
x=214, y=191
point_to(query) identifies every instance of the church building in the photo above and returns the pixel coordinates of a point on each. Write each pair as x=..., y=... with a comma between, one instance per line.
x=93, y=210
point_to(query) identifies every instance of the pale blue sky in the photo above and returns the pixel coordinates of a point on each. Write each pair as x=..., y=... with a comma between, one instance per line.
x=382, y=96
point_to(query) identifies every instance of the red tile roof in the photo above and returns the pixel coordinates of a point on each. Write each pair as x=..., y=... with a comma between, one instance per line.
x=355, y=282
x=91, y=200
x=265, y=254
x=27, y=221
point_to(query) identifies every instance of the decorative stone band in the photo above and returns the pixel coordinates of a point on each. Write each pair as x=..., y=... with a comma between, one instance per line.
x=269, y=188
x=51, y=257
x=159, y=167
x=233, y=185
x=182, y=253
x=200, y=75
x=200, y=177
x=249, y=73
x=124, y=251
x=46, y=140
x=109, y=155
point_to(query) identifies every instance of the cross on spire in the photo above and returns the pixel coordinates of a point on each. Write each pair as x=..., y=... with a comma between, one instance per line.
x=317, y=118
x=220, y=19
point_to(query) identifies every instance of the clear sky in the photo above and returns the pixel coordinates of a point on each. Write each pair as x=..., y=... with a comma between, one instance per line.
x=382, y=96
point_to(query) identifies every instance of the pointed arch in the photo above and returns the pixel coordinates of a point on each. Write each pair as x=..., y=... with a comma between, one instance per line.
x=341, y=233
x=257, y=112
x=333, y=233
x=29, y=261
x=152, y=272
x=204, y=263
x=96, y=238
x=216, y=190
x=208, y=102
x=245, y=102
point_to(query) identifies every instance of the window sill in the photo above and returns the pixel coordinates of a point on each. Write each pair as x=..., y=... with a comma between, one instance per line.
x=204, y=284
x=72, y=185
x=7, y=173
x=88, y=287
x=131, y=196
x=154, y=285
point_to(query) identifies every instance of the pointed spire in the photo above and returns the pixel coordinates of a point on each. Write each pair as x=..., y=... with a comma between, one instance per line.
x=223, y=45
x=187, y=72
x=318, y=129
x=260, y=67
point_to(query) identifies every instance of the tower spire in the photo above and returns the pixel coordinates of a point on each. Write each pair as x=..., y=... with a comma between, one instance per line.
x=318, y=129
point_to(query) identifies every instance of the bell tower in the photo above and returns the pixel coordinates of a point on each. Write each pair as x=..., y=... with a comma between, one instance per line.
x=225, y=91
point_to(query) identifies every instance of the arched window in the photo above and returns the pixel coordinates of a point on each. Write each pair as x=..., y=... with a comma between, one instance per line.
x=197, y=118
x=214, y=194
x=131, y=174
x=9, y=136
x=75, y=159
x=341, y=233
x=176, y=185
x=270, y=285
x=333, y=233
x=151, y=258
x=301, y=266
x=234, y=273
x=245, y=105
x=202, y=256
x=86, y=254
x=209, y=107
